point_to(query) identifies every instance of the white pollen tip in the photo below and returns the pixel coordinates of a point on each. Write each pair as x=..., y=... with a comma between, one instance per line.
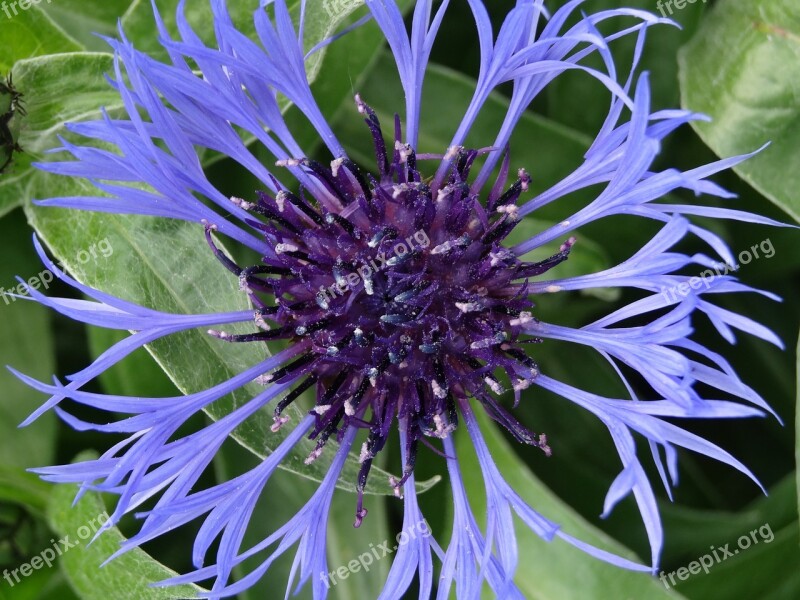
x=289, y=162
x=242, y=203
x=521, y=384
x=365, y=453
x=466, y=307
x=362, y=108
x=336, y=165
x=484, y=343
x=523, y=319
x=552, y=289
x=281, y=248
x=442, y=248
x=403, y=149
x=452, y=152
x=261, y=323
x=564, y=223
x=568, y=244
x=495, y=385
x=321, y=409
x=395, y=483
x=442, y=430
x=438, y=390
x=349, y=409
x=509, y=209
x=279, y=422
x=219, y=334
x=524, y=179
x=315, y=454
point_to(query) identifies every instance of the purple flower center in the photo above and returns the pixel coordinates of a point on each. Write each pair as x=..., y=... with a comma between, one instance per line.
x=405, y=298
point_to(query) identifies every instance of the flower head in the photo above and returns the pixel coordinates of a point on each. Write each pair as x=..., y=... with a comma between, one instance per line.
x=402, y=304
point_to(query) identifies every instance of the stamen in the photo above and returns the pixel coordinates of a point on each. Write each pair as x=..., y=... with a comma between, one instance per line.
x=388, y=233
x=332, y=218
x=297, y=364
x=292, y=396
x=374, y=125
x=219, y=254
x=284, y=196
x=261, y=336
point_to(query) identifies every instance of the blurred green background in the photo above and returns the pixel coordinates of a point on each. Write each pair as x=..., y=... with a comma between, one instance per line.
x=737, y=60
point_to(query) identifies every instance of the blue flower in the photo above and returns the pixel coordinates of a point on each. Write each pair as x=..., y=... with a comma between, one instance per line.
x=396, y=290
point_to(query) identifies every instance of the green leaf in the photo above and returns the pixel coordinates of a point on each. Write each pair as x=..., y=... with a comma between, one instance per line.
x=553, y=569
x=764, y=566
x=17, y=486
x=346, y=544
x=31, y=33
x=83, y=19
x=125, y=578
x=58, y=89
x=691, y=530
x=741, y=68
x=28, y=346
x=136, y=375
x=45, y=584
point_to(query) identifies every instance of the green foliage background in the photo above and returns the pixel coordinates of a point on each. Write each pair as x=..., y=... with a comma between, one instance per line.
x=736, y=60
